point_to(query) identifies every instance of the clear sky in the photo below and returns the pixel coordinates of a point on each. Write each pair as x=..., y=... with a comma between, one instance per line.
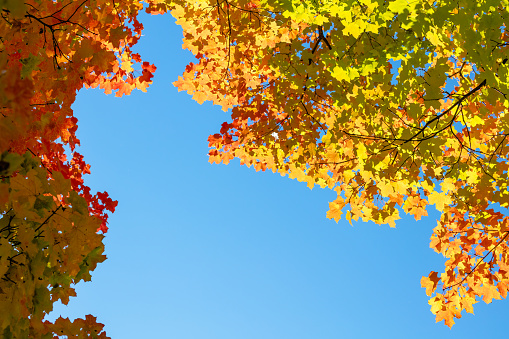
x=201, y=251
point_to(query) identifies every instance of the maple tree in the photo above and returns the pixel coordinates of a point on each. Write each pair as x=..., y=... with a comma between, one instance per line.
x=51, y=224
x=396, y=105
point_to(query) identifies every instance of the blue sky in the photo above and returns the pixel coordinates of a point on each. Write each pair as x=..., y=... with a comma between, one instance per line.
x=201, y=251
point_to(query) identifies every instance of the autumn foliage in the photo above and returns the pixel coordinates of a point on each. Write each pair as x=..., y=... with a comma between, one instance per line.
x=395, y=105
x=52, y=225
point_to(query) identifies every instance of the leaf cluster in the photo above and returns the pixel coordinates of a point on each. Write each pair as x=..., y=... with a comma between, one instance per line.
x=51, y=224
x=396, y=105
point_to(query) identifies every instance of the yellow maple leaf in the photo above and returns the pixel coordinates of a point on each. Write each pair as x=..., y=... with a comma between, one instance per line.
x=335, y=208
x=348, y=217
x=448, y=185
x=434, y=38
x=353, y=29
x=447, y=316
x=439, y=199
x=385, y=188
x=430, y=282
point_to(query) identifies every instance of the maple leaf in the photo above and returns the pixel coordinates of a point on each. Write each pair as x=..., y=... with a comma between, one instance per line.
x=430, y=282
x=335, y=208
x=148, y=67
x=439, y=200
x=447, y=316
x=489, y=293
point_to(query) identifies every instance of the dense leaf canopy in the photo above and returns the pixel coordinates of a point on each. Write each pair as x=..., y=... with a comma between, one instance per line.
x=396, y=105
x=51, y=222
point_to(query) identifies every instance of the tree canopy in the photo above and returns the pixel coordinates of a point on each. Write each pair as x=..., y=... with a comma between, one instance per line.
x=395, y=105
x=52, y=225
